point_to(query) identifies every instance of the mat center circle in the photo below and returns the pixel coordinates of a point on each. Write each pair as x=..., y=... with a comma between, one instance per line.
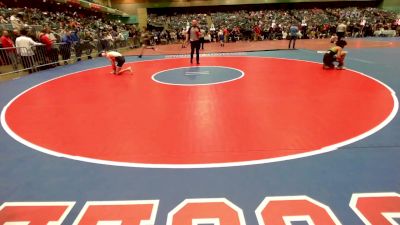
x=272, y=115
x=198, y=75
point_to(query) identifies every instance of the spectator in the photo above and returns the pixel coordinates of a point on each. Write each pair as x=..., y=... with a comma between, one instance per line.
x=315, y=22
x=202, y=35
x=132, y=37
x=24, y=46
x=52, y=35
x=16, y=33
x=293, y=30
x=106, y=40
x=50, y=52
x=88, y=43
x=2, y=20
x=226, y=34
x=119, y=40
x=10, y=56
x=341, y=30
x=66, y=44
x=77, y=44
x=221, y=37
x=183, y=37
x=15, y=21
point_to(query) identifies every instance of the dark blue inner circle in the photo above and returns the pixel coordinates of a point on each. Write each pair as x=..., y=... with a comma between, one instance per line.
x=199, y=75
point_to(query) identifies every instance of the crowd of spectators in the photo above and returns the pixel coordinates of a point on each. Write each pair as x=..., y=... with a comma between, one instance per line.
x=274, y=24
x=85, y=23
x=59, y=34
x=62, y=31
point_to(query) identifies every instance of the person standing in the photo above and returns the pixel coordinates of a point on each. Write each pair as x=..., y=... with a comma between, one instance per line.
x=132, y=37
x=15, y=21
x=341, y=30
x=77, y=44
x=146, y=41
x=202, y=35
x=221, y=37
x=65, y=48
x=226, y=35
x=293, y=30
x=194, y=38
x=24, y=46
x=362, y=25
x=2, y=20
x=48, y=48
x=7, y=42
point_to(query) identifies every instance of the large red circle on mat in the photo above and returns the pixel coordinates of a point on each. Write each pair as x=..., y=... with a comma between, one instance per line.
x=280, y=109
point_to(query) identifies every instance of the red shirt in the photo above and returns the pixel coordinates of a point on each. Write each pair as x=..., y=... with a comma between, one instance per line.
x=6, y=42
x=46, y=41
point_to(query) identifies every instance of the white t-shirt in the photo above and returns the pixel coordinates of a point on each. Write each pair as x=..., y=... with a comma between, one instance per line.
x=193, y=33
x=341, y=28
x=24, y=45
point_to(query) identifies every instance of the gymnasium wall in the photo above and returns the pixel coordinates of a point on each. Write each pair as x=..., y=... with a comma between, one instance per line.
x=391, y=4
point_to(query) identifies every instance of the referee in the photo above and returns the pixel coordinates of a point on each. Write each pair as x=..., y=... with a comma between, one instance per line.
x=194, y=38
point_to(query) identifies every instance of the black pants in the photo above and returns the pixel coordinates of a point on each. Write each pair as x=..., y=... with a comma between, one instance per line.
x=195, y=45
x=340, y=35
x=78, y=49
x=202, y=43
x=292, y=38
x=28, y=62
x=53, y=55
x=65, y=51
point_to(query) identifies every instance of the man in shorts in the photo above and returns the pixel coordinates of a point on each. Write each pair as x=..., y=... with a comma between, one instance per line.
x=117, y=61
